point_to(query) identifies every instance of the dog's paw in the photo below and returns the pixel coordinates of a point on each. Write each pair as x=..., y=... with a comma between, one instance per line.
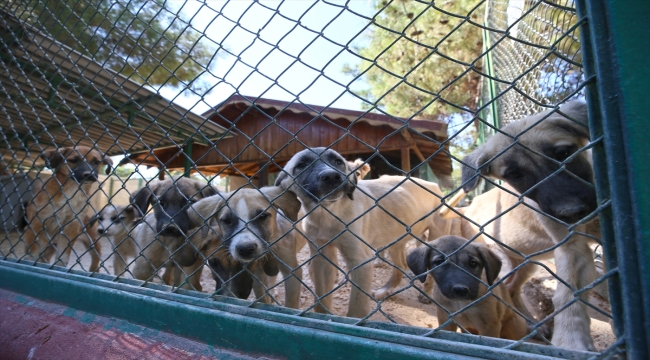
x=574, y=342
x=424, y=299
x=380, y=294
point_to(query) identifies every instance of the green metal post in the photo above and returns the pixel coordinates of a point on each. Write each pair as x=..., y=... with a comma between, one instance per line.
x=188, y=158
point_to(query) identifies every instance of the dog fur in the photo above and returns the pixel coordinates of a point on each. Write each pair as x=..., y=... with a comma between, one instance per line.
x=116, y=222
x=252, y=222
x=457, y=267
x=565, y=197
x=56, y=216
x=162, y=232
x=341, y=215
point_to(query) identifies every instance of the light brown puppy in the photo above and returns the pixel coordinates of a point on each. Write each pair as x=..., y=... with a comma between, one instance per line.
x=256, y=227
x=359, y=218
x=457, y=267
x=56, y=216
x=116, y=222
x=543, y=157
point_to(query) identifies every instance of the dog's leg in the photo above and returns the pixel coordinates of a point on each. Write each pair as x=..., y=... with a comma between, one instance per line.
x=515, y=283
x=188, y=277
x=442, y=318
x=261, y=283
x=291, y=280
x=575, y=265
x=95, y=254
x=323, y=274
x=119, y=261
x=360, y=271
x=396, y=252
x=169, y=276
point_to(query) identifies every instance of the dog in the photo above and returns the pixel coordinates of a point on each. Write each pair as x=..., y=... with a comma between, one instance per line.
x=561, y=196
x=458, y=270
x=256, y=227
x=116, y=222
x=56, y=216
x=341, y=213
x=162, y=232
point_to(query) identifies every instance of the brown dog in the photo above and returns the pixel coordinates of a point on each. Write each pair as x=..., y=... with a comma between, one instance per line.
x=461, y=271
x=55, y=215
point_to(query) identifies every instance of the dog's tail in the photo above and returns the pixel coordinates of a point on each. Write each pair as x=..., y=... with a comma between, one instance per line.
x=446, y=212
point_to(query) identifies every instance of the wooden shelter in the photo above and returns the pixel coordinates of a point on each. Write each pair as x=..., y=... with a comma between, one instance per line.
x=267, y=133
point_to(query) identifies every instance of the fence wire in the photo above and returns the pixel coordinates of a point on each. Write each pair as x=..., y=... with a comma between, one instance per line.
x=262, y=199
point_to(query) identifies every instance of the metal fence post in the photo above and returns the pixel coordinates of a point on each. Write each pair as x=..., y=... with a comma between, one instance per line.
x=618, y=104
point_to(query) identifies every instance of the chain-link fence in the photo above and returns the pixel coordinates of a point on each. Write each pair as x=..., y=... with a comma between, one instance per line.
x=260, y=196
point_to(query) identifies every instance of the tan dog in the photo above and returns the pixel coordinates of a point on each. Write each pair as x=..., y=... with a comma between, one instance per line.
x=341, y=214
x=547, y=166
x=457, y=268
x=250, y=225
x=162, y=232
x=56, y=215
x=116, y=222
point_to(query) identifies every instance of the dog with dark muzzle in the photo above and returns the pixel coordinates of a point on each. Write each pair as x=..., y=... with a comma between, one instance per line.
x=462, y=272
x=360, y=219
x=56, y=216
x=162, y=232
x=256, y=227
x=546, y=158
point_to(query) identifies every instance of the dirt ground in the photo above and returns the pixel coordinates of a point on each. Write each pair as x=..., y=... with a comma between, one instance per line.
x=403, y=308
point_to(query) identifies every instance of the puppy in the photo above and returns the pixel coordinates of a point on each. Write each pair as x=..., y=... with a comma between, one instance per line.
x=116, y=222
x=460, y=277
x=162, y=232
x=546, y=165
x=56, y=215
x=359, y=218
x=256, y=227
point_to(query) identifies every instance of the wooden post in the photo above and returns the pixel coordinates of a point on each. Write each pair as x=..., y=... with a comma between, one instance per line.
x=406, y=160
x=161, y=173
x=263, y=175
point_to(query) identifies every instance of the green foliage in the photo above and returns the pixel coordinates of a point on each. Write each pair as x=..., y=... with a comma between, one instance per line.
x=143, y=40
x=407, y=52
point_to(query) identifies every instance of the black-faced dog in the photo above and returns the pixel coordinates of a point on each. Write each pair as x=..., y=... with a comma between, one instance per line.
x=359, y=218
x=543, y=157
x=162, y=232
x=462, y=272
x=56, y=213
x=256, y=227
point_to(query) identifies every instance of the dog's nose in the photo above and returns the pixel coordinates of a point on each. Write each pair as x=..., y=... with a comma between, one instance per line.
x=101, y=231
x=246, y=250
x=331, y=177
x=572, y=214
x=171, y=230
x=460, y=291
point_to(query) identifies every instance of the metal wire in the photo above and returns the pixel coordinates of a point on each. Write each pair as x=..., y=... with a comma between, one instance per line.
x=66, y=82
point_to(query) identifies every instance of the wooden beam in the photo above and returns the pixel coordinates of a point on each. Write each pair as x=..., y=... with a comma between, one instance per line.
x=263, y=175
x=406, y=160
x=407, y=136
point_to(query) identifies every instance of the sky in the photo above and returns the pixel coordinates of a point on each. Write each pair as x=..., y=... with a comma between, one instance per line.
x=303, y=65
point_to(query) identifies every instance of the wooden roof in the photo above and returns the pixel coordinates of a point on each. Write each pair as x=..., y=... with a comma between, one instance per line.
x=267, y=133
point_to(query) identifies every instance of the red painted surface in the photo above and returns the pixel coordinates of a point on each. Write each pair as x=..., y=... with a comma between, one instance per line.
x=33, y=329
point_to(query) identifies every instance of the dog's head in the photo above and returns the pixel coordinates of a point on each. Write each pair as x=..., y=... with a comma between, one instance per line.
x=513, y=155
x=456, y=274
x=116, y=220
x=170, y=200
x=318, y=174
x=80, y=163
x=248, y=220
x=360, y=168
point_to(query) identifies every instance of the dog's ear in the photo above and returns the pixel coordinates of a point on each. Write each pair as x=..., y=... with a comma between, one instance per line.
x=419, y=261
x=143, y=197
x=352, y=181
x=491, y=262
x=130, y=212
x=54, y=157
x=270, y=265
x=284, y=180
x=578, y=124
x=186, y=255
x=109, y=163
x=208, y=191
x=284, y=200
x=470, y=172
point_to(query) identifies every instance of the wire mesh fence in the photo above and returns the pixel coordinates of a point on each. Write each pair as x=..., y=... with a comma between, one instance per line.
x=313, y=207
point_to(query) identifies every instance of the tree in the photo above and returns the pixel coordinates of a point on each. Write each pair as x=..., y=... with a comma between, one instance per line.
x=143, y=40
x=425, y=51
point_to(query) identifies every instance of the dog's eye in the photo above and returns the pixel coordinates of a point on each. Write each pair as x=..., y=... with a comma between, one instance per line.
x=226, y=221
x=338, y=162
x=513, y=175
x=113, y=218
x=301, y=165
x=563, y=152
x=473, y=263
x=73, y=160
x=438, y=262
x=161, y=203
x=263, y=216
